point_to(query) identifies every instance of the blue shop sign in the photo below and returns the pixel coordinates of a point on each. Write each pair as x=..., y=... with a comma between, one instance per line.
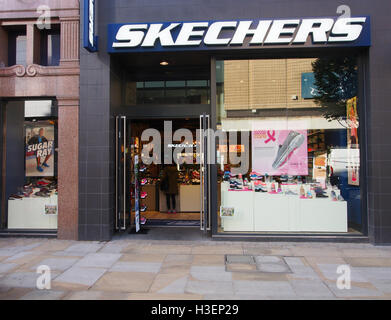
x=90, y=40
x=243, y=34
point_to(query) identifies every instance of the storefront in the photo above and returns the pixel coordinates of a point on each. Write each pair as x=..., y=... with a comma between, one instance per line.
x=279, y=117
x=39, y=129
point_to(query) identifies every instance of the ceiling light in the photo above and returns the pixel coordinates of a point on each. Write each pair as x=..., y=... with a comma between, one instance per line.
x=164, y=63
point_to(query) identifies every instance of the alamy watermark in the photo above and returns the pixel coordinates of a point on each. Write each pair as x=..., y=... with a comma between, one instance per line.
x=212, y=147
x=344, y=281
x=45, y=19
x=44, y=281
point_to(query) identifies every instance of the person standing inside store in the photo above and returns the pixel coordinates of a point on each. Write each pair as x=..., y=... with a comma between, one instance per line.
x=37, y=139
x=171, y=189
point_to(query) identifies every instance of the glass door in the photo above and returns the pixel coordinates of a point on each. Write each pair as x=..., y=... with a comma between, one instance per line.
x=122, y=194
x=205, y=217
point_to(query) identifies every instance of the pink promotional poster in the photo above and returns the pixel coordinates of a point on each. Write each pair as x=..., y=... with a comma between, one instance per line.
x=280, y=152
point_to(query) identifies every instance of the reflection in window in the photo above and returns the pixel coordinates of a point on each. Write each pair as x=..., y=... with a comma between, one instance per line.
x=17, y=42
x=50, y=47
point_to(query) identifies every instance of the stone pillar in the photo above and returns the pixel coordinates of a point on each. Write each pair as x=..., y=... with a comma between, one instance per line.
x=33, y=45
x=70, y=42
x=68, y=169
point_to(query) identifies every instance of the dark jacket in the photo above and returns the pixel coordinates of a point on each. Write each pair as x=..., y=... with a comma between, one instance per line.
x=171, y=173
x=35, y=140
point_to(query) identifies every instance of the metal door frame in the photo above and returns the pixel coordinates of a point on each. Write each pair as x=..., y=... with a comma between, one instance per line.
x=205, y=156
x=121, y=180
x=205, y=149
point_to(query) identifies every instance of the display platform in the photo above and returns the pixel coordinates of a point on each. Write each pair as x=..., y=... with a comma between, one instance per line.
x=264, y=212
x=33, y=213
x=188, y=199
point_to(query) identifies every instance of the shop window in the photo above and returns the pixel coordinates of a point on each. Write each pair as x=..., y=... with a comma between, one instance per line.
x=50, y=46
x=17, y=42
x=167, y=92
x=31, y=166
x=294, y=125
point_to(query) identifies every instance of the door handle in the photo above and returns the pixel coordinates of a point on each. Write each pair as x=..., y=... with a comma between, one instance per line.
x=202, y=212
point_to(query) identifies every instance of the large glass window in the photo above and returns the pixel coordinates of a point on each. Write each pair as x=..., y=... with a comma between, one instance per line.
x=50, y=46
x=17, y=42
x=290, y=149
x=167, y=92
x=30, y=193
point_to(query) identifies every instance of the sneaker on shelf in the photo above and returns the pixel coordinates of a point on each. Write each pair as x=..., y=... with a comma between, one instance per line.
x=253, y=176
x=42, y=194
x=15, y=197
x=302, y=193
x=144, y=182
x=143, y=208
x=143, y=220
x=340, y=198
x=27, y=193
x=196, y=174
x=284, y=178
x=321, y=195
x=43, y=182
x=144, y=195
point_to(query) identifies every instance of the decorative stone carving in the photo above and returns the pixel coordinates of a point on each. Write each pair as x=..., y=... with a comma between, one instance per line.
x=70, y=42
x=17, y=70
x=32, y=70
x=37, y=70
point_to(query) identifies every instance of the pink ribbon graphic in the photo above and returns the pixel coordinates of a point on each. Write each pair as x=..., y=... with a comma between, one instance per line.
x=272, y=136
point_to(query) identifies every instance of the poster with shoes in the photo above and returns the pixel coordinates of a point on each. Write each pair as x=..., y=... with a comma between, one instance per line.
x=280, y=152
x=40, y=146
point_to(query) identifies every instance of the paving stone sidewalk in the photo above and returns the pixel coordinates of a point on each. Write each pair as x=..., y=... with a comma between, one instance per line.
x=172, y=270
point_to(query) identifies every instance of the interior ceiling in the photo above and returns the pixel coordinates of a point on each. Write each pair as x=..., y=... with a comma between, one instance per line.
x=181, y=66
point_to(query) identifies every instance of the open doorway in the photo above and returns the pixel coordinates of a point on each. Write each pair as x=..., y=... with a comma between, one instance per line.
x=178, y=204
x=163, y=192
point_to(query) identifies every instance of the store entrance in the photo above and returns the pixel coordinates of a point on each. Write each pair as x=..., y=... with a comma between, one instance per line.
x=162, y=176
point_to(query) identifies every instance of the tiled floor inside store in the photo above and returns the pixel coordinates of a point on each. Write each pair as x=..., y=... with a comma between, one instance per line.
x=145, y=269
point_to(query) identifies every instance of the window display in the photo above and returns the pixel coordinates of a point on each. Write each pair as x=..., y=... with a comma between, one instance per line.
x=304, y=155
x=33, y=195
x=34, y=206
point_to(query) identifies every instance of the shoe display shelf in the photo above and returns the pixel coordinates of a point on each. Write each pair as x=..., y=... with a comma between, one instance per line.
x=264, y=212
x=30, y=213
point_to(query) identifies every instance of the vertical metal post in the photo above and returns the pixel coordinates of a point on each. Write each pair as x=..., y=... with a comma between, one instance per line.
x=124, y=172
x=208, y=163
x=116, y=171
x=202, y=173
